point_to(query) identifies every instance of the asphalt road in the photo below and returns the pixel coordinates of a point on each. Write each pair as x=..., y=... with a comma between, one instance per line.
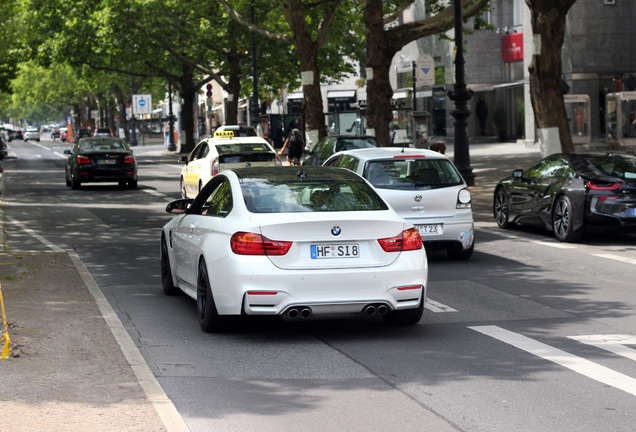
x=529, y=334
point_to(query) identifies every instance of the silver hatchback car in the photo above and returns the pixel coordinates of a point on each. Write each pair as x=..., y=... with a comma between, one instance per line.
x=422, y=186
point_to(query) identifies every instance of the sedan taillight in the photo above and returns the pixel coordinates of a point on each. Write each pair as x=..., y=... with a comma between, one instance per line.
x=83, y=160
x=407, y=240
x=244, y=243
x=129, y=160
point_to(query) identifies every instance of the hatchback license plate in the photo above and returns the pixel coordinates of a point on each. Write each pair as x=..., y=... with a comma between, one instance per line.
x=432, y=229
x=107, y=161
x=335, y=251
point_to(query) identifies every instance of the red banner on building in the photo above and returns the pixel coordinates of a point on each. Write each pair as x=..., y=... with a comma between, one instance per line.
x=512, y=47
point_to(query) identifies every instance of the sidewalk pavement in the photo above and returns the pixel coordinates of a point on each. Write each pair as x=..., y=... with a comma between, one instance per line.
x=74, y=367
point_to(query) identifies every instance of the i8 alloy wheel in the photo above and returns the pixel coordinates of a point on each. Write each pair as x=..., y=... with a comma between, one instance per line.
x=562, y=221
x=501, y=209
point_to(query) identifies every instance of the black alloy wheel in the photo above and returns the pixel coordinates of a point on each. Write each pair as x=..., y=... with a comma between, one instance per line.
x=209, y=318
x=75, y=183
x=501, y=209
x=166, y=272
x=562, y=221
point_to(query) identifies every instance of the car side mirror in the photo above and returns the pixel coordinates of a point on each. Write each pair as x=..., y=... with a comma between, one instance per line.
x=67, y=152
x=179, y=206
x=183, y=159
x=518, y=173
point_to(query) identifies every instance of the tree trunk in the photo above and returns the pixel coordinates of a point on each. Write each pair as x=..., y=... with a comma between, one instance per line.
x=378, y=64
x=234, y=88
x=546, y=82
x=307, y=50
x=121, y=114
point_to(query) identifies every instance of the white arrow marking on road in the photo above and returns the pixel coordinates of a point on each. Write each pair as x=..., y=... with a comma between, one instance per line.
x=577, y=364
x=554, y=245
x=611, y=343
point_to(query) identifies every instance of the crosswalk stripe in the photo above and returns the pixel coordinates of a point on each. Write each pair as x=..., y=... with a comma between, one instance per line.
x=577, y=364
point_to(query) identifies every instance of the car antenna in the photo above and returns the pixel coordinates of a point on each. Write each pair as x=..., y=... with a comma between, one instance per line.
x=302, y=175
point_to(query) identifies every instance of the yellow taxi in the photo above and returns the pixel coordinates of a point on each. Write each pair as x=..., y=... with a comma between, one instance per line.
x=220, y=152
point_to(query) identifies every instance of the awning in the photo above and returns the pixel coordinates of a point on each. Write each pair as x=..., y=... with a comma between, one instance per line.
x=218, y=107
x=295, y=96
x=404, y=94
x=342, y=95
x=510, y=84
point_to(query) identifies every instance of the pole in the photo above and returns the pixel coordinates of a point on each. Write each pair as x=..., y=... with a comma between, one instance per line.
x=133, y=134
x=254, y=109
x=460, y=95
x=171, y=144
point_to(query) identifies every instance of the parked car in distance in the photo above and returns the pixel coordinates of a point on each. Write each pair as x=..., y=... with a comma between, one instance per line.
x=261, y=231
x=422, y=186
x=83, y=133
x=334, y=144
x=101, y=159
x=3, y=145
x=64, y=134
x=55, y=133
x=223, y=151
x=32, y=133
x=238, y=130
x=102, y=131
x=569, y=192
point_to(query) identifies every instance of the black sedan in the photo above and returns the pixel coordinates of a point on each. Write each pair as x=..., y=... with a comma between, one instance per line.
x=569, y=192
x=101, y=159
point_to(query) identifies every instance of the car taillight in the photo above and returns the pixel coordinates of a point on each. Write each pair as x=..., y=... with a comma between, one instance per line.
x=603, y=187
x=129, y=160
x=463, y=199
x=244, y=243
x=83, y=160
x=407, y=240
x=215, y=167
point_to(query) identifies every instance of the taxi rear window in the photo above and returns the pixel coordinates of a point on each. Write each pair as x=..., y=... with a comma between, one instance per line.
x=243, y=148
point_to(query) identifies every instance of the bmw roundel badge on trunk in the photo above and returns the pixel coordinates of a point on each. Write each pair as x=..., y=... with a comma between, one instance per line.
x=335, y=230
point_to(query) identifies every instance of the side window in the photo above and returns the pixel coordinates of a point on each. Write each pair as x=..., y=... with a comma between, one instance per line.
x=219, y=203
x=335, y=162
x=325, y=150
x=194, y=154
x=205, y=149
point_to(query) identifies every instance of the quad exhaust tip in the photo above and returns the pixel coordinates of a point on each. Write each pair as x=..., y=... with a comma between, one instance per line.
x=372, y=309
x=302, y=312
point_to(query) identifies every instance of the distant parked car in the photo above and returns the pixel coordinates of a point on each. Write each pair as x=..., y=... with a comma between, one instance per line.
x=1, y=180
x=422, y=186
x=64, y=134
x=102, y=131
x=3, y=146
x=333, y=144
x=83, y=133
x=32, y=133
x=55, y=133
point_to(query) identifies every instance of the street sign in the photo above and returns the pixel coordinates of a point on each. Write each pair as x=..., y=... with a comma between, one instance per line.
x=142, y=104
x=425, y=71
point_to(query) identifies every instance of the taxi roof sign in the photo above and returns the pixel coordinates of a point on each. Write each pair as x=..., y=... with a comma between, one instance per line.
x=224, y=134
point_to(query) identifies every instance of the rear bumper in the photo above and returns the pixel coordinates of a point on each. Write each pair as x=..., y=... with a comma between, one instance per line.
x=93, y=175
x=454, y=230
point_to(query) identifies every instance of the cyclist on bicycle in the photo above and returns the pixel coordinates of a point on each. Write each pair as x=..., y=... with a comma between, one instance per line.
x=296, y=146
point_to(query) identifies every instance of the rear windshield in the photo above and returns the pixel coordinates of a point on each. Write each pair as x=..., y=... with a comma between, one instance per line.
x=417, y=173
x=621, y=166
x=88, y=146
x=269, y=196
x=224, y=149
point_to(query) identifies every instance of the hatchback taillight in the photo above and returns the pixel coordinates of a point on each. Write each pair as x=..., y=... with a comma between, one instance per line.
x=83, y=160
x=407, y=240
x=215, y=167
x=244, y=243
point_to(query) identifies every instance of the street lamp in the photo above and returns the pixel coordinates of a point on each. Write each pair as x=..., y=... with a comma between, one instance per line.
x=460, y=95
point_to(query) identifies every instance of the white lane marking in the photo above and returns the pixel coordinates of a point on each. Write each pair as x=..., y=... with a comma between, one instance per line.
x=612, y=343
x=434, y=306
x=157, y=194
x=155, y=393
x=49, y=149
x=554, y=245
x=35, y=235
x=577, y=364
x=616, y=258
